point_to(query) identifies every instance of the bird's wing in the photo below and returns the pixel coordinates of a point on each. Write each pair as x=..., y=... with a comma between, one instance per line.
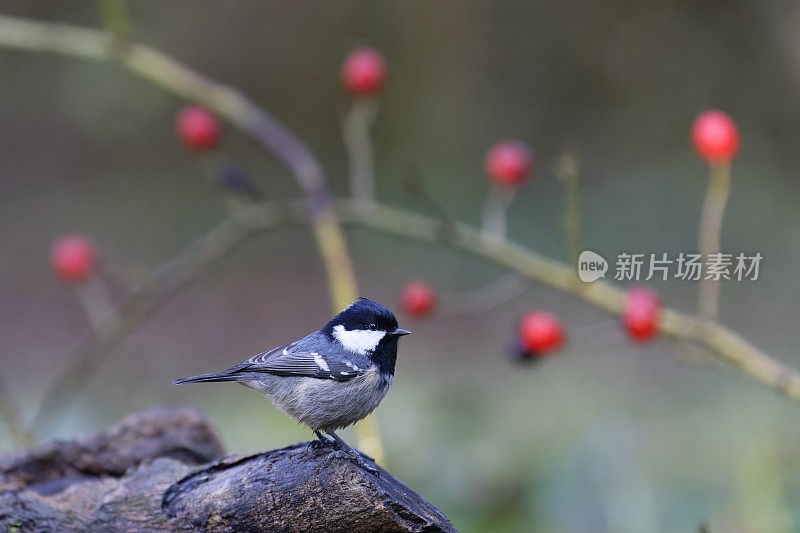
x=282, y=361
x=274, y=353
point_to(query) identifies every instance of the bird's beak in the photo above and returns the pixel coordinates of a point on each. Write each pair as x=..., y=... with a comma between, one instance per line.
x=399, y=332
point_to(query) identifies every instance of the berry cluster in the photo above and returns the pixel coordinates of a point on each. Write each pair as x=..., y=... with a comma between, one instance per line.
x=508, y=164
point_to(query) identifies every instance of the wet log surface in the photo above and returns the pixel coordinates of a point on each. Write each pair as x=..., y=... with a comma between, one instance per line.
x=163, y=469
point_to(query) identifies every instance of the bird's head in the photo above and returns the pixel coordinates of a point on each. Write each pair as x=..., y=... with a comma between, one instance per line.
x=363, y=326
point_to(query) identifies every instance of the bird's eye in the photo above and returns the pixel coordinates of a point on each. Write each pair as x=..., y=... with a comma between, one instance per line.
x=373, y=326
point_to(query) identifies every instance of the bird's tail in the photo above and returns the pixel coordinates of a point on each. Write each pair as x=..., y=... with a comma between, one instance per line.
x=207, y=378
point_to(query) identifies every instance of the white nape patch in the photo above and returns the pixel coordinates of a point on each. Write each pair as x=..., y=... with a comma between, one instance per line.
x=321, y=362
x=360, y=341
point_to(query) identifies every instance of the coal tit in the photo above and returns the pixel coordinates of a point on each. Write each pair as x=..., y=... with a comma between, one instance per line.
x=331, y=378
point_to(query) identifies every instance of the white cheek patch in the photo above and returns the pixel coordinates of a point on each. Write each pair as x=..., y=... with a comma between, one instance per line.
x=360, y=341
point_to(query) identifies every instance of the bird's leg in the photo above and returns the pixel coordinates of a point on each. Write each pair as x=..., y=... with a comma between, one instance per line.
x=320, y=441
x=322, y=438
x=355, y=455
x=342, y=444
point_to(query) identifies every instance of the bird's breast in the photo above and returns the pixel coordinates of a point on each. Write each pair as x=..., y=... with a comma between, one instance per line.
x=329, y=404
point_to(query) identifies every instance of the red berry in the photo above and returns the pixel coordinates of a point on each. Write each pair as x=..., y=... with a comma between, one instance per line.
x=73, y=258
x=197, y=128
x=715, y=137
x=418, y=298
x=364, y=72
x=640, y=313
x=508, y=163
x=540, y=332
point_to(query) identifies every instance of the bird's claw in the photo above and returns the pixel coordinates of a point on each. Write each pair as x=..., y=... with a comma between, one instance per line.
x=336, y=454
x=317, y=444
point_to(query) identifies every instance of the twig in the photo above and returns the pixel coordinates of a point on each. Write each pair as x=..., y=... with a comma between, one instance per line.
x=115, y=19
x=226, y=101
x=568, y=172
x=186, y=267
x=495, y=212
x=180, y=80
x=416, y=187
x=709, y=235
x=242, y=112
x=96, y=302
x=725, y=344
x=484, y=299
x=357, y=142
x=127, y=276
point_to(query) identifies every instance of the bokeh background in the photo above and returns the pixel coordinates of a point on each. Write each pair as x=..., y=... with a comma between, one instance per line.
x=608, y=436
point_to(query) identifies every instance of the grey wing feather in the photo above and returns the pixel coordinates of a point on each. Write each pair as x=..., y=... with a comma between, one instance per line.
x=283, y=361
x=264, y=357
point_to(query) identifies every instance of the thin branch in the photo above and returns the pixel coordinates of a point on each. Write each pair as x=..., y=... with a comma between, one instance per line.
x=96, y=301
x=115, y=19
x=485, y=298
x=174, y=77
x=242, y=112
x=709, y=238
x=178, y=79
x=569, y=174
x=355, y=132
x=725, y=343
x=185, y=268
x=495, y=212
x=415, y=185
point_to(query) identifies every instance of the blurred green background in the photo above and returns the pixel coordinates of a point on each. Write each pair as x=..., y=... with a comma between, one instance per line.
x=608, y=436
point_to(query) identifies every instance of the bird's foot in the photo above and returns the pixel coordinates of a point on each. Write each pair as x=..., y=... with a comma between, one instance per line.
x=318, y=444
x=323, y=443
x=334, y=455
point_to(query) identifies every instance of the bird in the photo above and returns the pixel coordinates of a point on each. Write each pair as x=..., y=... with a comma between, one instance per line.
x=329, y=379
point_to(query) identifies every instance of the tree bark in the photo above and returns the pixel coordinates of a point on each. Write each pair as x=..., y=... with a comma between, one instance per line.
x=163, y=470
